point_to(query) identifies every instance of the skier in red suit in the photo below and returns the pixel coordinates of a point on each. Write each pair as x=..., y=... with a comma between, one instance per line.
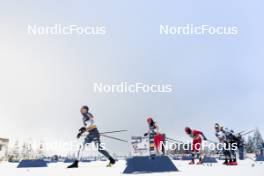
x=197, y=137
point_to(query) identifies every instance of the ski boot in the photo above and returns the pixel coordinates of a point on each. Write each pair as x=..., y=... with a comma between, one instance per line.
x=226, y=162
x=111, y=162
x=233, y=163
x=200, y=162
x=74, y=164
x=192, y=162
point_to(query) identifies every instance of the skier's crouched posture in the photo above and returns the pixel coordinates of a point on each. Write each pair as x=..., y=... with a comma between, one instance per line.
x=93, y=136
x=229, y=139
x=197, y=137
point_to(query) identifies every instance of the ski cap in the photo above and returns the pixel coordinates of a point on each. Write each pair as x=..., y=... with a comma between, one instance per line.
x=188, y=130
x=85, y=107
x=217, y=125
x=149, y=119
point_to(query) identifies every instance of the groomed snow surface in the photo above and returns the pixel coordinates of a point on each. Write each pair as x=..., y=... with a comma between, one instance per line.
x=98, y=168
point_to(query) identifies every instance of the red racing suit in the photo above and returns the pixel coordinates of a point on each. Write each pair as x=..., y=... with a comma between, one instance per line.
x=197, y=140
x=158, y=138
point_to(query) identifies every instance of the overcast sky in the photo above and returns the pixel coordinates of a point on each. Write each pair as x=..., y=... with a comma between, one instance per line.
x=45, y=79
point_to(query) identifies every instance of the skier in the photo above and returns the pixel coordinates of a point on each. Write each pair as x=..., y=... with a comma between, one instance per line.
x=92, y=136
x=241, y=146
x=154, y=136
x=220, y=134
x=197, y=137
x=232, y=140
x=228, y=138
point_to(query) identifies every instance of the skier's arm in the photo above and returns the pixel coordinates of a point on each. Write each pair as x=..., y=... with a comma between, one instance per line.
x=157, y=128
x=203, y=136
x=81, y=131
x=147, y=133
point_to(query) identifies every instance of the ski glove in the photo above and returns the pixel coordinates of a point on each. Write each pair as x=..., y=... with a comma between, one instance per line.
x=79, y=135
x=145, y=134
x=204, y=137
x=82, y=130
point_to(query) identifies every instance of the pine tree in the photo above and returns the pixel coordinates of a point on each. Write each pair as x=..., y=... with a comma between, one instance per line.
x=258, y=140
x=250, y=145
x=255, y=142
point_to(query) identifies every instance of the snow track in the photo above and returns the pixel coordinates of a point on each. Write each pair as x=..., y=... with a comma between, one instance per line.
x=245, y=168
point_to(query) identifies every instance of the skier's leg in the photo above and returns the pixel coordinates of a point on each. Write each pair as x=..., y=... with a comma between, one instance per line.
x=193, y=152
x=157, y=141
x=87, y=140
x=228, y=156
x=199, y=144
x=106, y=154
x=97, y=141
x=225, y=155
x=152, y=152
x=79, y=153
x=200, y=157
x=193, y=157
x=163, y=148
x=229, y=153
x=233, y=156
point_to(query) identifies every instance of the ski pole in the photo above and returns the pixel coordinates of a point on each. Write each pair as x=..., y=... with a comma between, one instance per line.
x=248, y=132
x=117, y=131
x=241, y=132
x=114, y=138
x=174, y=140
x=245, y=133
